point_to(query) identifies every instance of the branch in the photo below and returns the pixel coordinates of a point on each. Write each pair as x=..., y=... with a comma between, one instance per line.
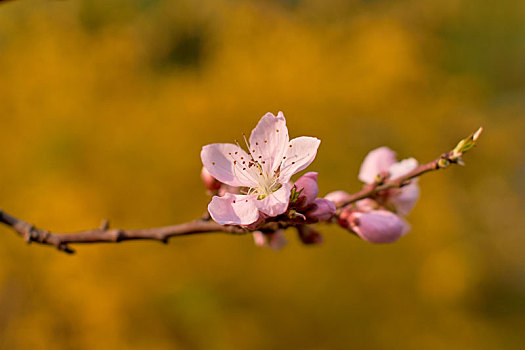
x=383, y=183
x=105, y=235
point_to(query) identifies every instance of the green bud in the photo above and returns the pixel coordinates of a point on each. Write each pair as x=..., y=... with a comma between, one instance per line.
x=465, y=145
x=443, y=163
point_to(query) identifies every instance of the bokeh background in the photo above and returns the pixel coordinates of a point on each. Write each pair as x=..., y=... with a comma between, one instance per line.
x=105, y=104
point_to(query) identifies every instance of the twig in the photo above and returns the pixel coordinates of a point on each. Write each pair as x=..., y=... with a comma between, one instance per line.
x=105, y=235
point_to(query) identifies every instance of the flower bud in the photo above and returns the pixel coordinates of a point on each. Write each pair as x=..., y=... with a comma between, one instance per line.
x=377, y=226
x=308, y=235
x=275, y=240
x=307, y=184
x=323, y=210
x=338, y=197
x=211, y=183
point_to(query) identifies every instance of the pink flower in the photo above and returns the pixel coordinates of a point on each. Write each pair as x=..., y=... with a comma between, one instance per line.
x=211, y=183
x=265, y=171
x=375, y=226
x=275, y=240
x=383, y=160
x=307, y=184
x=323, y=210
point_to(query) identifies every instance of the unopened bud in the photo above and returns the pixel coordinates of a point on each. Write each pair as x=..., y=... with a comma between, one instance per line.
x=275, y=240
x=377, y=226
x=465, y=144
x=323, y=210
x=211, y=183
x=309, y=235
x=307, y=186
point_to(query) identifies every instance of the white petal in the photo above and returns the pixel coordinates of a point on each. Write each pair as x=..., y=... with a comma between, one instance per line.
x=300, y=152
x=405, y=199
x=275, y=203
x=224, y=162
x=233, y=209
x=402, y=168
x=375, y=162
x=269, y=140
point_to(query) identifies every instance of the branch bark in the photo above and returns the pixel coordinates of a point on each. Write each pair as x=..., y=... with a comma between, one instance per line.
x=104, y=234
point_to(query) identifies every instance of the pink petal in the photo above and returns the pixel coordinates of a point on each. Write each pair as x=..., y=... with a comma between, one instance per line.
x=402, y=168
x=269, y=140
x=307, y=184
x=211, y=183
x=224, y=162
x=260, y=239
x=233, y=209
x=338, y=197
x=275, y=203
x=378, y=226
x=299, y=154
x=375, y=162
x=405, y=198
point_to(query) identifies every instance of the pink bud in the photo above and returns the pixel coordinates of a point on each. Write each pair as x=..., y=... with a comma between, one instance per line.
x=323, y=210
x=308, y=184
x=275, y=240
x=211, y=183
x=338, y=197
x=308, y=235
x=377, y=226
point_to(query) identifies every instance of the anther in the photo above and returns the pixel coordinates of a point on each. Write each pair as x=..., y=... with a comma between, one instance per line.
x=276, y=130
x=212, y=163
x=290, y=146
x=265, y=141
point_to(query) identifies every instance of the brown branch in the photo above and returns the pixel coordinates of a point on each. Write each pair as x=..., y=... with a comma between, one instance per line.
x=452, y=157
x=105, y=235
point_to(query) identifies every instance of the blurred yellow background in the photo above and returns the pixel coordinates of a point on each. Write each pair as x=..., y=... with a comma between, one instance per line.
x=105, y=104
